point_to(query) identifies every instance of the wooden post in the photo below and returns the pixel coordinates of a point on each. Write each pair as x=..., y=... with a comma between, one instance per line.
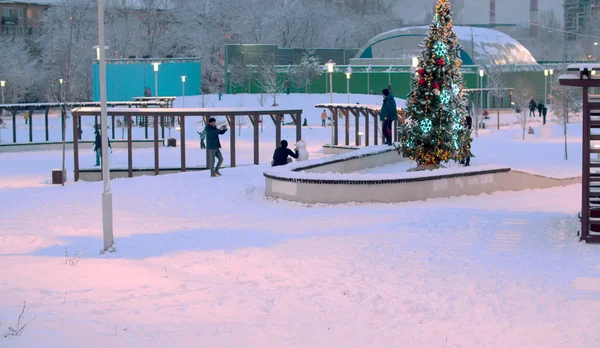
x=298, y=119
x=365, y=113
x=31, y=125
x=14, y=124
x=162, y=127
x=585, y=167
x=112, y=118
x=277, y=120
x=255, y=120
x=46, y=110
x=347, y=131
x=78, y=131
x=206, y=118
x=231, y=120
x=129, y=147
x=156, y=159
x=356, y=125
x=146, y=125
x=335, y=126
x=75, y=147
x=376, y=126
x=182, y=133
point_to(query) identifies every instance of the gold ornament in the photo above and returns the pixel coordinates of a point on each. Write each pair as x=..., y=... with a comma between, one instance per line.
x=458, y=62
x=436, y=91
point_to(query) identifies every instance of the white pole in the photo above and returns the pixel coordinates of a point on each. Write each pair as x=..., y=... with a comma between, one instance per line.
x=330, y=88
x=348, y=89
x=107, y=214
x=545, y=90
x=156, y=83
x=183, y=93
x=368, y=82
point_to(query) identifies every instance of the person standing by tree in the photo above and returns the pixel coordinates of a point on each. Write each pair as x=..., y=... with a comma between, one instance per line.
x=388, y=114
x=213, y=145
x=323, y=118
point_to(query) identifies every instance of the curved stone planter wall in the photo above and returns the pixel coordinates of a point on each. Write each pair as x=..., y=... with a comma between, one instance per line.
x=331, y=181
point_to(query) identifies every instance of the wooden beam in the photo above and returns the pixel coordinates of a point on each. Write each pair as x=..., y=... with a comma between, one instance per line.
x=156, y=159
x=129, y=147
x=376, y=126
x=46, y=110
x=277, y=119
x=335, y=127
x=75, y=148
x=182, y=133
x=255, y=125
x=113, y=126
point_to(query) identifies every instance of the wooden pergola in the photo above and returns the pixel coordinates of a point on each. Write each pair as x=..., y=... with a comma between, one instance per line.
x=588, y=76
x=276, y=114
x=358, y=110
x=13, y=109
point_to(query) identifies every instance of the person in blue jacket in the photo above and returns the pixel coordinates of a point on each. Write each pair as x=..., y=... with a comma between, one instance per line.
x=213, y=145
x=388, y=114
x=98, y=147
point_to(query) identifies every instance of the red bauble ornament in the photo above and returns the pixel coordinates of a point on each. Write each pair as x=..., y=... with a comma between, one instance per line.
x=421, y=71
x=421, y=82
x=441, y=61
x=436, y=85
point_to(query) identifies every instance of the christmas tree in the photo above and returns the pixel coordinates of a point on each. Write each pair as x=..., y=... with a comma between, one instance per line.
x=436, y=108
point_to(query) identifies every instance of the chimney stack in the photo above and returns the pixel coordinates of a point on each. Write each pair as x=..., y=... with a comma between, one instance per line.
x=533, y=18
x=492, y=13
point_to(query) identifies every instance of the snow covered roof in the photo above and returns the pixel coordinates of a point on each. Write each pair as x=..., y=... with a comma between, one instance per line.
x=481, y=46
x=132, y=4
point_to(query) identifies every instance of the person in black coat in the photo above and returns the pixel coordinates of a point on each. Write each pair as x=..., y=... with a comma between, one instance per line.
x=532, y=107
x=540, y=108
x=280, y=156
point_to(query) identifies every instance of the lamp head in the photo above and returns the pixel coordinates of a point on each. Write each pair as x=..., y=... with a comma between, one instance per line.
x=481, y=73
x=415, y=62
x=2, y=83
x=348, y=75
x=330, y=64
x=156, y=64
x=183, y=78
x=545, y=72
x=551, y=72
x=60, y=81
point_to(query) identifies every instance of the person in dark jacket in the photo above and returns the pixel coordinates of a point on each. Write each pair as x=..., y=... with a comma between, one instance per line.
x=540, y=108
x=532, y=106
x=280, y=156
x=98, y=147
x=388, y=114
x=544, y=113
x=213, y=145
x=468, y=124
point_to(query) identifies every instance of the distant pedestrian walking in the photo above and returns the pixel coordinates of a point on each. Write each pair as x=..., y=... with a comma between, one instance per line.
x=220, y=96
x=280, y=156
x=388, y=114
x=98, y=146
x=213, y=145
x=544, y=113
x=202, y=137
x=532, y=106
x=323, y=118
x=540, y=108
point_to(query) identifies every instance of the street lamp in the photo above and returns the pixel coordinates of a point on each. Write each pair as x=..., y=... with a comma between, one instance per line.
x=545, y=86
x=390, y=76
x=348, y=74
x=107, y=211
x=481, y=73
x=415, y=63
x=183, y=90
x=2, y=85
x=330, y=65
x=98, y=51
x=156, y=65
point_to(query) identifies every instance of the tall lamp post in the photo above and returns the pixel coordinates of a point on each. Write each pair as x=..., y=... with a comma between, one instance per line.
x=183, y=90
x=156, y=65
x=481, y=73
x=330, y=66
x=415, y=63
x=2, y=85
x=348, y=74
x=107, y=216
x=390, y=76
x=545, y=86
x=368, y=70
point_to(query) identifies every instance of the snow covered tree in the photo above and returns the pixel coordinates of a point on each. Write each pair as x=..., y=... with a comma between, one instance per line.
x=307, y=71
x=239, y=74
x=436, y=107
x=564, y=100
x=268, y=78
x=523, y=93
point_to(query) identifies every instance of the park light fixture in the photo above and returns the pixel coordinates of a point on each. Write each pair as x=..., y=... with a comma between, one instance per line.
x=348, y=74
x=415, y=62
x=2, y=83
x=98, y=51
x=545, y=72
x=60, y=81
x=481, y=72
x=330, y=64
x=183, y=79
x=595, y=43
x=156, y=65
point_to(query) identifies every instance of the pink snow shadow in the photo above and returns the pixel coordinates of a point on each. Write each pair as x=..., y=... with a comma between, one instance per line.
x=143, y=246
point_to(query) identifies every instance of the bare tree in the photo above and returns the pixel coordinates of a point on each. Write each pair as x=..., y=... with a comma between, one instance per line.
x=268, y=78
x=238, y=73
x=564, y=100
x=523, y=93
x=496, y=89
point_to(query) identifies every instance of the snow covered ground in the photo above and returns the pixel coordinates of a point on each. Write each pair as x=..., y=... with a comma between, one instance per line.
x=211, y=262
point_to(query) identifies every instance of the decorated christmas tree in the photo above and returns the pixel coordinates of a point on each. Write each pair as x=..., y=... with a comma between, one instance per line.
x=436, y=108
